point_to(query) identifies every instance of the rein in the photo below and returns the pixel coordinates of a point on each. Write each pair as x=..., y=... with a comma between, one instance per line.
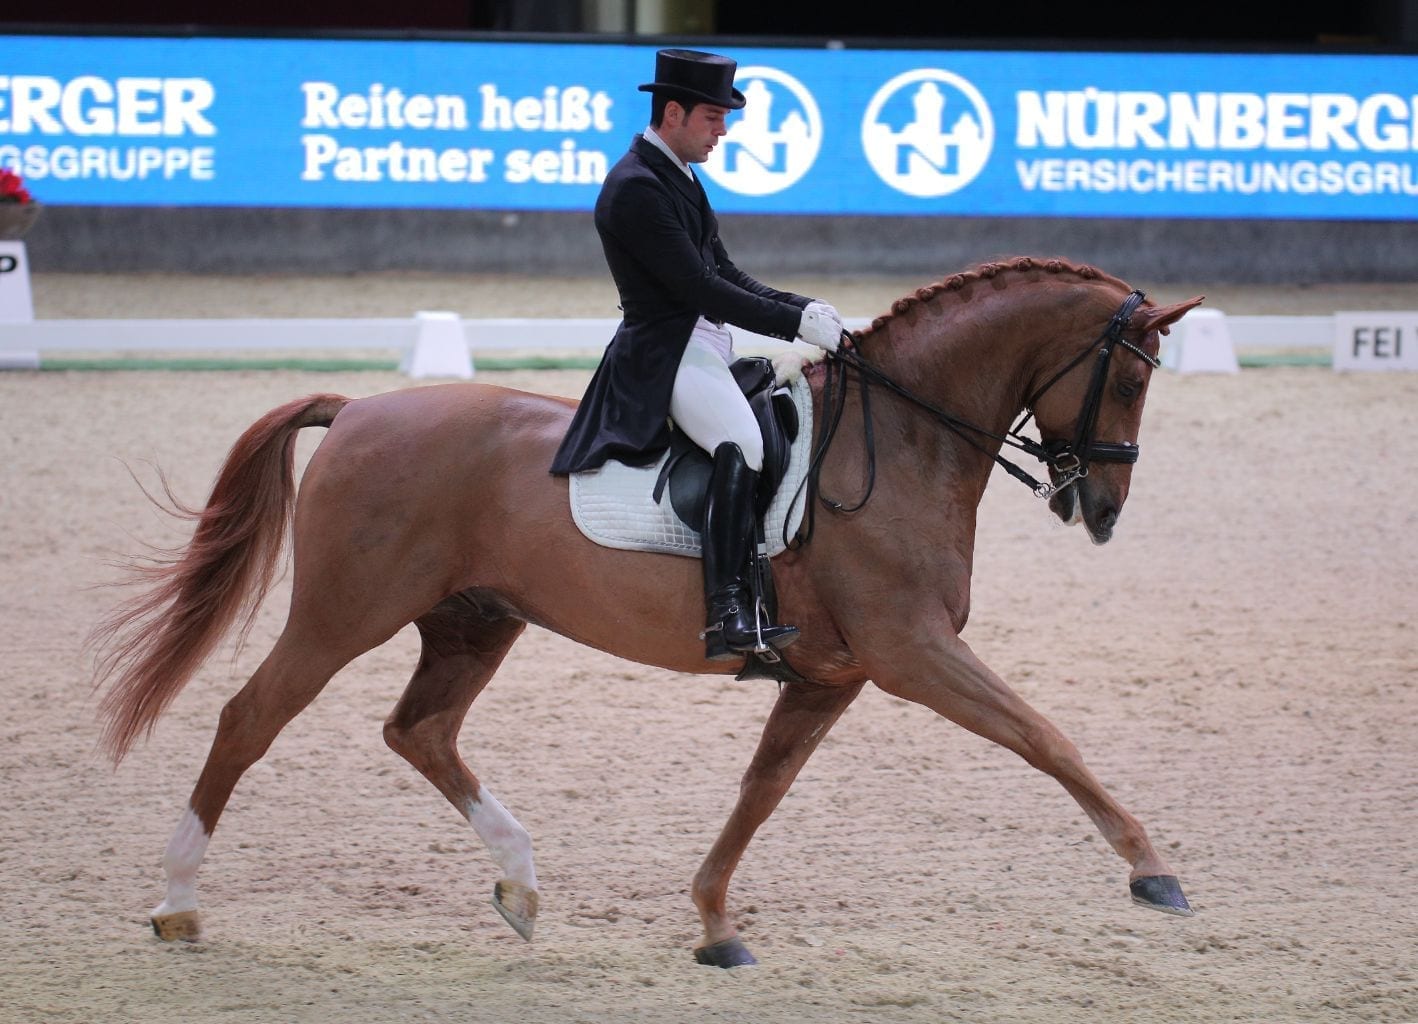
x=1070, y=460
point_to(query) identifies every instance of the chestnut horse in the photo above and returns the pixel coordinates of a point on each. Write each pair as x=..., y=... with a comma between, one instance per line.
x=433, y=505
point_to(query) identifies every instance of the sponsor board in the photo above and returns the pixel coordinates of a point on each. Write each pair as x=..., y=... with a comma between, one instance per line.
x=536, y=126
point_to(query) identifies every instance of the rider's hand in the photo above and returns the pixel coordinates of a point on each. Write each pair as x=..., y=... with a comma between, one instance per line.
x=828, y=311
x=821, y=330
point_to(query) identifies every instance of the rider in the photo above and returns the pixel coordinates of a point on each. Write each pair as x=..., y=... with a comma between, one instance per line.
x=670, y=356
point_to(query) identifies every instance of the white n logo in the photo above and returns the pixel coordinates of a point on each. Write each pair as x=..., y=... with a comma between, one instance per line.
x=927, y=133
x=775, y=140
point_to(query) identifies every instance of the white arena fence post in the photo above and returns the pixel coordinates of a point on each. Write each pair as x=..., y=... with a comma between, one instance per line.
x=1203, y=344
x=440, y=347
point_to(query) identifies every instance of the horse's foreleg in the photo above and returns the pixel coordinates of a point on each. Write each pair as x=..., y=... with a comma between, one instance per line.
x=462, y=648
x=960, y=687
x=292, y=675
x=799, y=720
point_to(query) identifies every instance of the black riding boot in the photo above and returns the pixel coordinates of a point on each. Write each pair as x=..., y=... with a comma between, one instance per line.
x=731, y=628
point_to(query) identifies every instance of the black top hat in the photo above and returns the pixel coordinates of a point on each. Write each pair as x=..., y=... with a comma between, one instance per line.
x=705, y=77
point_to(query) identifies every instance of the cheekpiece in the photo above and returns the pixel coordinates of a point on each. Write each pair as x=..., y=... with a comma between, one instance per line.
x=705, y=77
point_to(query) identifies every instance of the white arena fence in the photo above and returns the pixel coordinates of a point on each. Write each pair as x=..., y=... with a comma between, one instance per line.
x=442, y=344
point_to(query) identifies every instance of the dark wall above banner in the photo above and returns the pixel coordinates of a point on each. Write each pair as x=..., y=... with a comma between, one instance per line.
x=1199, y=23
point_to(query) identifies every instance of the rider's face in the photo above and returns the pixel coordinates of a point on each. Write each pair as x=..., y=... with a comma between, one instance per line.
x=692, y=137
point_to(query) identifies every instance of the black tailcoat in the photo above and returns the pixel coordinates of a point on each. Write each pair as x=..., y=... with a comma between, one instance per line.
x=661, y=240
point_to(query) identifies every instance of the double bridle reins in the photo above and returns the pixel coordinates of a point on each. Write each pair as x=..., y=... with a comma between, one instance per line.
x=1069, y=460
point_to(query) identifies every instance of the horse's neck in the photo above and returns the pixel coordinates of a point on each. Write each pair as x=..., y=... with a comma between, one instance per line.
x=973, y=362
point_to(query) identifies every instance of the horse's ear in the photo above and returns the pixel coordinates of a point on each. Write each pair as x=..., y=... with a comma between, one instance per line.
x=1160, y=318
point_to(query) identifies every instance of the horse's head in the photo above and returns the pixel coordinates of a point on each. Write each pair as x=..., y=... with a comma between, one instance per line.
x=1092, y=412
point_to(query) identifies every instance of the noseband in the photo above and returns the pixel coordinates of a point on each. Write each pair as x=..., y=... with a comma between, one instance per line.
x=1069, y=460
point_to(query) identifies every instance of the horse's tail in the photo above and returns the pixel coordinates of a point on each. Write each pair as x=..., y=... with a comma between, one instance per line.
x=156, y=641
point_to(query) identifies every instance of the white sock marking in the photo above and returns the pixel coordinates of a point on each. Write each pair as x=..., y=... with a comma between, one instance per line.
x=184, y=856
x=509, y=843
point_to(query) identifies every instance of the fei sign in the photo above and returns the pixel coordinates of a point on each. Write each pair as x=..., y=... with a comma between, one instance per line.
x=536, y=126
x=1376, y=341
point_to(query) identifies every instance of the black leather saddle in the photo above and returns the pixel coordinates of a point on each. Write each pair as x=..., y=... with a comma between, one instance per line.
x=686, y=471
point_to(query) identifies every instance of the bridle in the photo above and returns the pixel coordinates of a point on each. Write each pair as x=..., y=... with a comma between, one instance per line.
x=1068, y=460
x=1071, y=460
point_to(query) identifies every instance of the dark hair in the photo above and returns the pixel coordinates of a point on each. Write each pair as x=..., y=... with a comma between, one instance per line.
x=658, y=101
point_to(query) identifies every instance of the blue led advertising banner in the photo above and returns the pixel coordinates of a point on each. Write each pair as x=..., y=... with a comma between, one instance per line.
x=536, y=126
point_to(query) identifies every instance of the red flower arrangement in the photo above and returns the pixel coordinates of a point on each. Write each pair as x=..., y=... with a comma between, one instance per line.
x=12, y=188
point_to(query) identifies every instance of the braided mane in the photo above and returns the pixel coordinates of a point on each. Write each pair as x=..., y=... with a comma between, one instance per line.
x=957, y=283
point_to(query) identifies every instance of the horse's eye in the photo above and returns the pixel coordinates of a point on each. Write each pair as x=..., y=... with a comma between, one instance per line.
x=1129, y=388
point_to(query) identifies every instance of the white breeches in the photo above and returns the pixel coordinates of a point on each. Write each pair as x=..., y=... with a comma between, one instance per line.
x=706, y=402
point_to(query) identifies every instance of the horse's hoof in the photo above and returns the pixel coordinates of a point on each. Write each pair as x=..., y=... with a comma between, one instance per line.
x=729, y=953
x=183, y=926
x=1161, y=892
x=518, y=906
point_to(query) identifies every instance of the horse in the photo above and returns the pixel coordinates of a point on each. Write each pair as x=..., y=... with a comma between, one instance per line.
x=433, y=505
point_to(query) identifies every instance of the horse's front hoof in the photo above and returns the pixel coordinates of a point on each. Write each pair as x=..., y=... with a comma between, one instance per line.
x=729, y=953
x=518, y=906
x=1161, y=892
x=183, y=926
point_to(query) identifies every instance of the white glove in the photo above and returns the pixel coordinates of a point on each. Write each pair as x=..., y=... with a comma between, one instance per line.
x=828, y=311
x=816, y=328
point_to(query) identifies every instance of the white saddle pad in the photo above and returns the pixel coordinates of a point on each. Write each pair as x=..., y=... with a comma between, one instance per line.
x=614, y=505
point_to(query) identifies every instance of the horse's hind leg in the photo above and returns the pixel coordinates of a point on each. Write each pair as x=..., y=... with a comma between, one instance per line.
x=464, y=641
x=801, y=717
x=292, y=675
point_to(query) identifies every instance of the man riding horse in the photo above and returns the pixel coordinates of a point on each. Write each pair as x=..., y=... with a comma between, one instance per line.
x=669, y=359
